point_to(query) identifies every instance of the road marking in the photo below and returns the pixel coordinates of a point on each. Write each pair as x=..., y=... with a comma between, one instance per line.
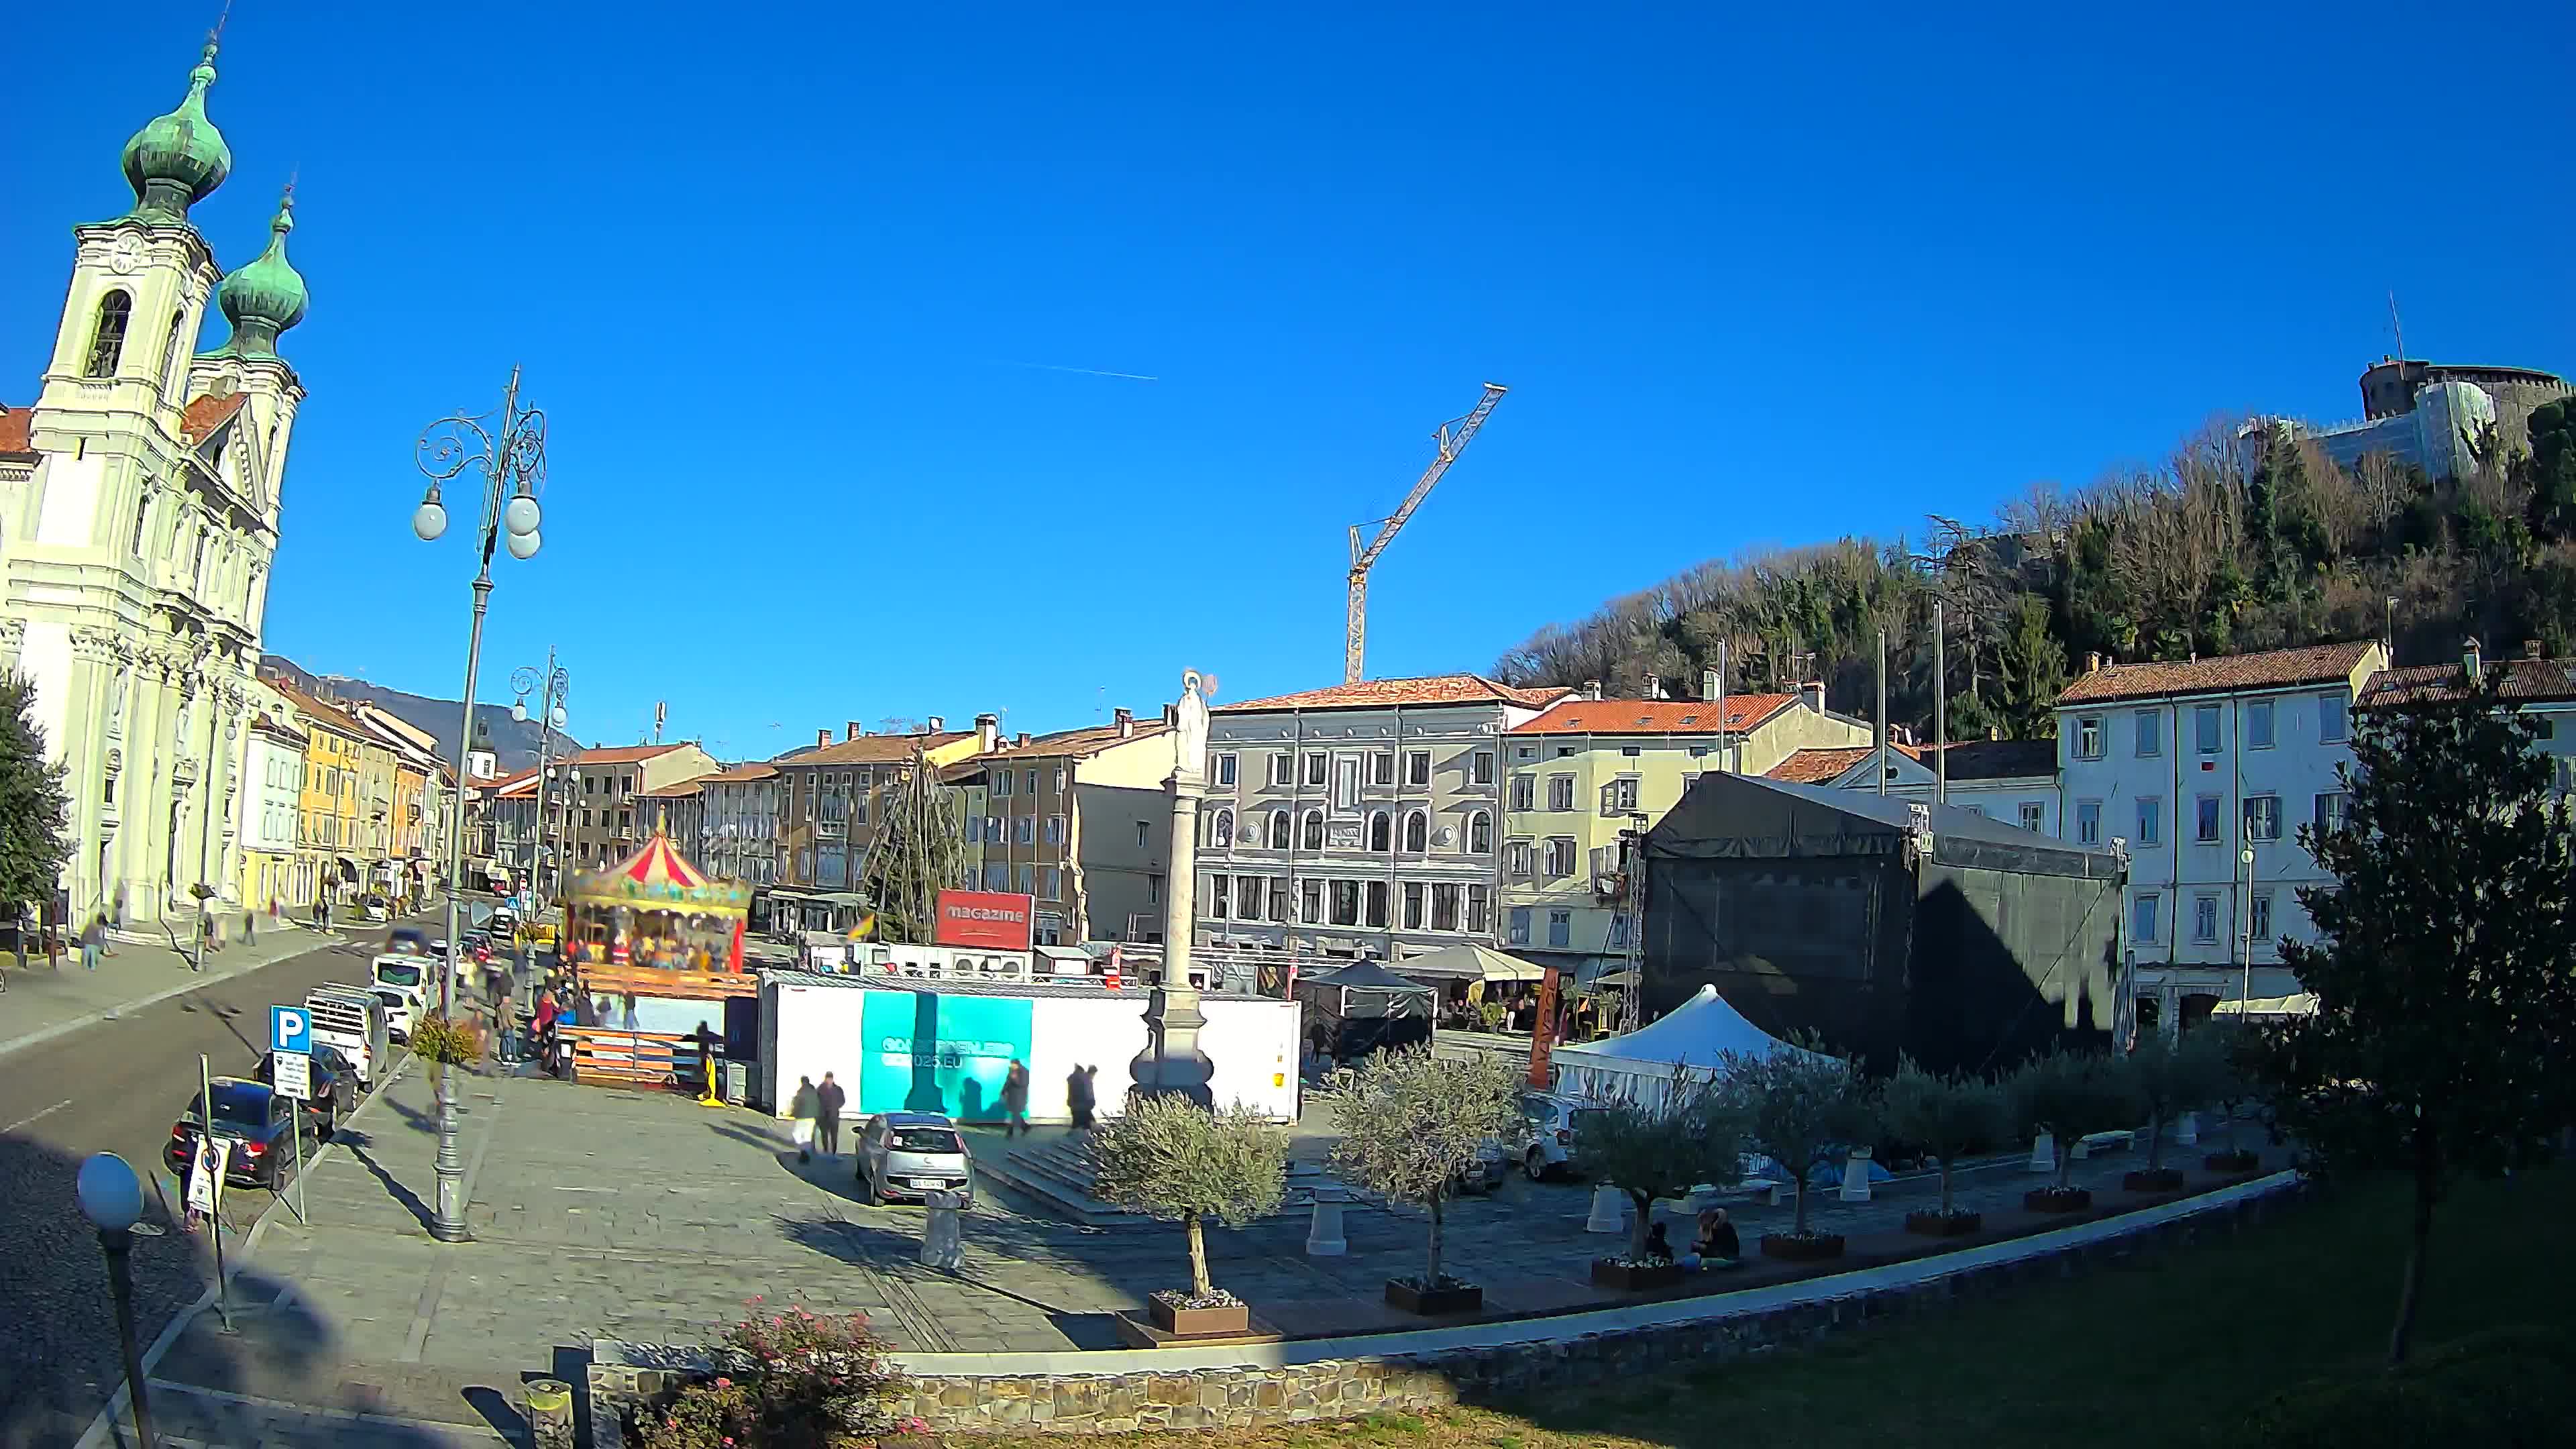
x=31, y=1121
x=560, y=1187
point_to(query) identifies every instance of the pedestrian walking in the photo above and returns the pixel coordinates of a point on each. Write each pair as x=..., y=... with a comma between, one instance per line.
x=93, y=938
x=803, y=1108
x=250, y=934
x=1080, y=1097
x=505, y=1016
x=1015, y=1099
x=827, y=1115
x=545, y=1022
x=707, y=1039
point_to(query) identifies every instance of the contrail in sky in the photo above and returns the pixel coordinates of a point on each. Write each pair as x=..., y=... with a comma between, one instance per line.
x=1085, y=371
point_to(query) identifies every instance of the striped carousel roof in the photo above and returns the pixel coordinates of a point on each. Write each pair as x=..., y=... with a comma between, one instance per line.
x=657, y=875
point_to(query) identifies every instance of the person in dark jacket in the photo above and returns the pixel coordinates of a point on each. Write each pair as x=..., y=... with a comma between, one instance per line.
x=806, y=1105
x=1015, y=1099
x=827, y=1115
x=1080, y=1096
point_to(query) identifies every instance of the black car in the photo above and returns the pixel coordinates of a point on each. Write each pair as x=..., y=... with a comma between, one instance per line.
x=335, y=1086
x=255, y=1120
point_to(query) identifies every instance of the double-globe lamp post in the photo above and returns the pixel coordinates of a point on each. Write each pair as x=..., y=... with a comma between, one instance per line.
x=509, y=448
x=550, y=687
x=111, y=1197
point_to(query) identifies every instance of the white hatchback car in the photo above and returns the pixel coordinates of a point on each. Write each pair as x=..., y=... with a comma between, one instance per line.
x=1554, y=1123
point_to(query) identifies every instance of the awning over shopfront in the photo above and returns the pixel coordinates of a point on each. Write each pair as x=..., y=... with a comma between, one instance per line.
x=2301, y=1004
x=1467, y=963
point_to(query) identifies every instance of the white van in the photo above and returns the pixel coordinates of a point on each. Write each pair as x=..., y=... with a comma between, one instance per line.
x=352, y=1019
x=409, y=974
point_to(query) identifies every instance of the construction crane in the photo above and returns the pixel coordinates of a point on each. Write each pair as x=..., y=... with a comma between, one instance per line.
x=1452, y=437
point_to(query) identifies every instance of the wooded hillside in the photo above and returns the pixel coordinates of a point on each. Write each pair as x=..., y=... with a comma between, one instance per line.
x=2227, y=547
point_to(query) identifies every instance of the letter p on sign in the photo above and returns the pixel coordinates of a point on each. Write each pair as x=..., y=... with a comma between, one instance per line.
x=290, y=1029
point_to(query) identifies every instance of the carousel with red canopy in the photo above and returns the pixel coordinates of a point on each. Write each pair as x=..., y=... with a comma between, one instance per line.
x=656, y=909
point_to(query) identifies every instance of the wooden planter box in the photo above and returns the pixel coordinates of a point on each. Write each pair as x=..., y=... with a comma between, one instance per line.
x=1199, y=1322
x=1449, y=1298
x=2232, y=1161
x=2153, y=1179
x=1791, y=1248
x=2051, y=1200
x=1607, y=1274
x=1933, y=1225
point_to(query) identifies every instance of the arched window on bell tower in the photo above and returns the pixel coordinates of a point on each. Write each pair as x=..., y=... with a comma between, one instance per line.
x=107, y=339
x=170, y=381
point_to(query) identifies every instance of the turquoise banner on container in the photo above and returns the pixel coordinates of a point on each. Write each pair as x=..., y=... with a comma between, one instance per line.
x=933, y=1053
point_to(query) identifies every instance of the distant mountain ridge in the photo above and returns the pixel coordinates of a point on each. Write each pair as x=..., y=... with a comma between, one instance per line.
x=514, y=742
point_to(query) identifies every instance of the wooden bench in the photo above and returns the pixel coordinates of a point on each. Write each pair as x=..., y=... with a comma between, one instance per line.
x=608, y=1056
x=603, y=980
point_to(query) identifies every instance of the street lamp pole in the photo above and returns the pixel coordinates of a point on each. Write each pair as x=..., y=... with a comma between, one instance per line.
x=2245, y=933
x=509, y=448
x=111, y=1197
x=550, y=689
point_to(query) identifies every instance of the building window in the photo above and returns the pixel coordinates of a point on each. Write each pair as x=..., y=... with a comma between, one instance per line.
x=1315, y=768
x=997, y=877
x=1028, y=880
x=1221, y=833
x=2088, y=822
x=1002, y=782
x=1524, y=791
x=992, y=829
x=2332, y=723
x=2150, y=727
x=2262, y=817
x=1220, y=896
x=107, y=337
x=1516, y=930
x=2142, y=919
x=1311, y=832
x=2329, y=812
x=1444, y=905
x=2151, y=820
x=2034, y=815
x=1619, y=797
x=1413, y=905
x=2258, y=725
x=1225, y=770
x=1480, y=908
x=1058, y=779
x=1560, y=857
x=2204, y=729
x=1055, y=830
x=1417, y=831
x=2204, y=919
x=1346, y=903
x=974, y=829
x=1381, y=832
x=1283, y=767
x=1051, y=883
x=1310, y=902
x=1278, y=897
x=1619, y=932
x=1280, y=836
x=1516, y=858
x=1417, y=767
x=1480, y=768
x=1560, y=928
x=1346, y=783
x=2088, y=737
x=1560, y=792
x=2205, y=819
x=1024, y=830
x=1480, y=833
x=2258, y=916
x=1381, y=767
x=1247, y=897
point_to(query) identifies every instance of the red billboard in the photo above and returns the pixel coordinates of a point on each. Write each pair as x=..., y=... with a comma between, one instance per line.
x=987, y=920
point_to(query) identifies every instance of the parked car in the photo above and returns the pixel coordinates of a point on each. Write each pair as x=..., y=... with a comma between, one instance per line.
x=375, y=908
x=398, y=1012
x=1555, y=1122
x=906, y=1154
x=258, y=1123
x=1487, y=1172
x=335, y=1087
x=407, y=941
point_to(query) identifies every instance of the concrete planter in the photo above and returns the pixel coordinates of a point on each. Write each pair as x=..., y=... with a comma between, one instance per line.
x=1802, y=1248
x=2056, y=1200
x=1631, y=1279
x=1934, y=1224
x=1200, y=1322
x=2153, y=1179
x=1450, y=1297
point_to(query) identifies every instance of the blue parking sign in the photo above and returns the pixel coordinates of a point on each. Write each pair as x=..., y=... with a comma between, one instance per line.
x=290, y=1029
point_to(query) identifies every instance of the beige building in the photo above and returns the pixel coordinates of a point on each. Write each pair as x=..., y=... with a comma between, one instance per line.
x=608, y=811
x=1078, y=819
x=830, y=802
x=1589, y=769
x=738, y=825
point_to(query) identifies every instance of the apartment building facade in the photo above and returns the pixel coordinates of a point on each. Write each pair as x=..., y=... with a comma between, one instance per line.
x=2014, y=781
x=2534, y=685
x=1587, y=769
x=1080, y=820
x=738, y=825
x=608, y=807
x=2205, y=770
x=1358, y=820
x=831, y=799
x=266, y=829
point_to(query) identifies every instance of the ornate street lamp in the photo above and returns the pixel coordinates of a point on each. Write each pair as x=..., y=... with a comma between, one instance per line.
x=551, y=687
x=111, y=1197
x=509, y=448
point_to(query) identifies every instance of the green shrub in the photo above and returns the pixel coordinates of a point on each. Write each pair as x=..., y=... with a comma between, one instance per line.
x=793, y=1380
x=435, y=1040
x=2500, y=1389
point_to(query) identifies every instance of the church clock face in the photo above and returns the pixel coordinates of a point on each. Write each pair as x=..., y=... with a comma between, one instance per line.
x=126, y=256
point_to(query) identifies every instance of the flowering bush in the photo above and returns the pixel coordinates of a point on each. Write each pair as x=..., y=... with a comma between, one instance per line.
x=1213, y=1298
x=793, y=1380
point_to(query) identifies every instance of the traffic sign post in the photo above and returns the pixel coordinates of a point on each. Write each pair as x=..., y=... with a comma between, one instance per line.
x=290, y=1041
x=290, y=1029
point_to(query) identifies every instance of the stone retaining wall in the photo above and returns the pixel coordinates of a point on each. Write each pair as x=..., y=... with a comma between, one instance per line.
x=1558, y=1352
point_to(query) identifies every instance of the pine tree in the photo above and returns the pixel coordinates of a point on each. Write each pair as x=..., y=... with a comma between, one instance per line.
x=919, y=852
x=2033, y=666
x=33, y=809
x=2444, y=963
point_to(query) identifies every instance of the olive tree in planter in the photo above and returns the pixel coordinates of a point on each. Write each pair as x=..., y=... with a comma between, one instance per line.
x=1947, y=1118
x=1654, y=1146
x=2225, y=1049
x=2070, y=1096
x=1794, y=1101
x=2171, y=1076
x=1171, y=1159
x=1410, y=1126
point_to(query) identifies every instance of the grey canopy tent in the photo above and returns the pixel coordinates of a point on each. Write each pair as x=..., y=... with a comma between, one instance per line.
x=1363, y=1007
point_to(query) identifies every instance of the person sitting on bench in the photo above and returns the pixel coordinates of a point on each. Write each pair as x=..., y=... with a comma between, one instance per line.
x=1716, y=1246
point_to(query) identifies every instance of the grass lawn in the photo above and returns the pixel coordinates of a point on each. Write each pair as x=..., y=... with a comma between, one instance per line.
x=2149, y=1354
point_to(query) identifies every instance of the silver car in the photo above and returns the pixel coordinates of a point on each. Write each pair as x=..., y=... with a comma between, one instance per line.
x=1554, y=1122
x=906, y=1154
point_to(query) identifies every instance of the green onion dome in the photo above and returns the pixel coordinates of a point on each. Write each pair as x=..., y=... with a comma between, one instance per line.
x=178, y=159
x=266, y=297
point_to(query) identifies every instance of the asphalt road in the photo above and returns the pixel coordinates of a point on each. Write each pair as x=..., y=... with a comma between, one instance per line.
x=117, y=1087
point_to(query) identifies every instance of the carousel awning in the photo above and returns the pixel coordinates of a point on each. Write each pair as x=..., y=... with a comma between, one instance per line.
x=658, y=878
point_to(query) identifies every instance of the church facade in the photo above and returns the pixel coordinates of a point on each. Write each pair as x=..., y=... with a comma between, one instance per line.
x=139, y=508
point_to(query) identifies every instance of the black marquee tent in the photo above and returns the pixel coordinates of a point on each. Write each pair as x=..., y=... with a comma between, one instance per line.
x=1887, y=926
x=1363, y=1007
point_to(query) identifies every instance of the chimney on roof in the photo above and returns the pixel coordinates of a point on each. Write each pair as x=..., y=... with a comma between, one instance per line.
x=822, y=737
x=988, y=732
x=1708, y=684
x=1813, y=692
x=1654, y=686
x=2092, y=661
x=1126, y=722
x=2471, y=664
x=1591, y=689
x=1023, y=738
x=937, y=724
x=2534, y=649
x=853, y=728
x=1171, y=716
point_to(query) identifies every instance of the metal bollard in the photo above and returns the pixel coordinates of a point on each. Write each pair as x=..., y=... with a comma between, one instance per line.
x=548, y=1405
x=1609, y=1211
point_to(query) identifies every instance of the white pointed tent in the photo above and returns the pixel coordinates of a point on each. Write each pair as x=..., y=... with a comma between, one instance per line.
x=1639, y=1065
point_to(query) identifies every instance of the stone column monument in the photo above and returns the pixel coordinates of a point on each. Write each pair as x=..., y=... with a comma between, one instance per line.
x=1172, y=1064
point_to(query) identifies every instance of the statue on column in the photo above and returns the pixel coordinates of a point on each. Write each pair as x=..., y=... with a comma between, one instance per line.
x=1190, y=740
x=1171, y=1063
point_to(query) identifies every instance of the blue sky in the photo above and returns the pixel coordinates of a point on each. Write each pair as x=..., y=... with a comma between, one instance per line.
x=784, y=276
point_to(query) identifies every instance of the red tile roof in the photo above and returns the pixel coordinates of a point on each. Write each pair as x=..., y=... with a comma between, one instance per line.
x=1654, y=716
x=329, y=716
x=2530, y=680
x=623, y=754
x=871, y=750
x=205, y=414
x=1825, y=766
x=2274, y=669
x=15, y=424
x=743, y=774
x=681, y=791
x=1429, y=689
x=1074, y=744
x=1994, y=759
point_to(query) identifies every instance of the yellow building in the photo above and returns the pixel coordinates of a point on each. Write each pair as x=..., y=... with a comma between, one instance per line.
x=1587, y=769
x=331, y=832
